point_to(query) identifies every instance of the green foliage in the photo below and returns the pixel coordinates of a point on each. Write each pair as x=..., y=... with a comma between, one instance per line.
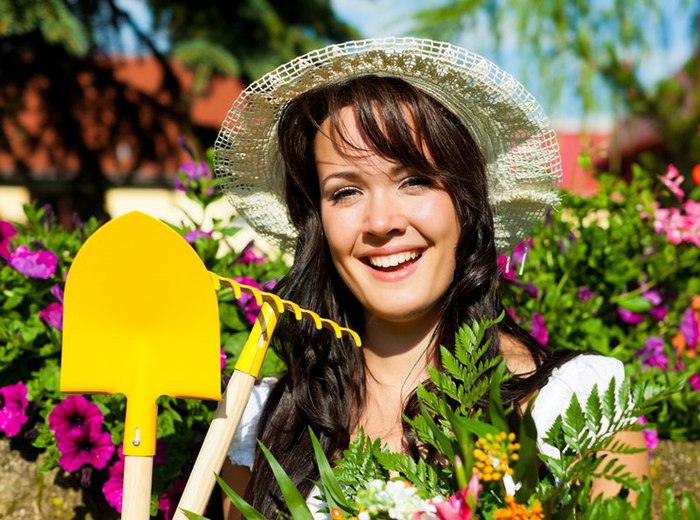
x=30, y=348
x=607, y=244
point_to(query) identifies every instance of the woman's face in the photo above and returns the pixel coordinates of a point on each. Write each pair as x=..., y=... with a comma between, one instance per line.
x=392, y=232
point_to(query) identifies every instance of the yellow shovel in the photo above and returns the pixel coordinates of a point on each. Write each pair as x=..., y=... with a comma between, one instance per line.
x=140, y=318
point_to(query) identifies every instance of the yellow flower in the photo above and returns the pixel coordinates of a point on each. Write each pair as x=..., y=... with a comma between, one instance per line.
x=494, y=453
x=515, y=511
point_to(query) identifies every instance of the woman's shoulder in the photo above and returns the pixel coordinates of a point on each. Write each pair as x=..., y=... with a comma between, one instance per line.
x=242, y=449
x=577, y=376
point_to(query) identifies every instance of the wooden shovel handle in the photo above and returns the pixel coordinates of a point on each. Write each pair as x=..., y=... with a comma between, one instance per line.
x=213, y=451
x=136, y=501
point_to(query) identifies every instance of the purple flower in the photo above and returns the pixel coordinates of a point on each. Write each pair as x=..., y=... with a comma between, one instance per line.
x=35, y=264
x=93, y=446
x=246, y=301
x=659, y=312
x=630, y=317
x=7, y=231
x=461, y=505
x=652, y=296
x=222, y=357
x=57, y=292
x=112, y=488
x=511, y=313
x=521, y=250
x=690, y=328
x=539, y=330
x=53, y=315
x=192, y=236
x=189, y=175
x=13, y=408
x=168, y=501
x=505, y=267
x=694, y=382
x=268, y=285
x=584, y=294
x=651, y=438
x=248, y=256
x=73, y=416
x=652, y=353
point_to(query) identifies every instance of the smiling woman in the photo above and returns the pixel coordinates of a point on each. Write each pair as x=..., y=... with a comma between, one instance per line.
x=395, y=170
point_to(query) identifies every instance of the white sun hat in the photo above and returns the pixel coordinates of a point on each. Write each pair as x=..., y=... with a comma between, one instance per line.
x=516, y=138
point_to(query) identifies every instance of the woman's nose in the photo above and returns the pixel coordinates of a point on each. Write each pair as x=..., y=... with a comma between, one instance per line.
x=385, y=216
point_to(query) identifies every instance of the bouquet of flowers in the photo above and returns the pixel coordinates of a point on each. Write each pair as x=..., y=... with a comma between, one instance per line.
x=484, y=470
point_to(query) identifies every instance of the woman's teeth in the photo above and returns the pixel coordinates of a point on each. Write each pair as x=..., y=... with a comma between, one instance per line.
x=392, y=260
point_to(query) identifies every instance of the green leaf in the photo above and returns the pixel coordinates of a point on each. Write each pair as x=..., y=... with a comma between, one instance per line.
x=329, y=483
x=634, y=303
x=295, y=502
x=496, y=411
x=248, y=511
x=525, y=470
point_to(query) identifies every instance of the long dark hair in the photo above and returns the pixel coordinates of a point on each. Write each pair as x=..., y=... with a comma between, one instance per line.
x=324, y=386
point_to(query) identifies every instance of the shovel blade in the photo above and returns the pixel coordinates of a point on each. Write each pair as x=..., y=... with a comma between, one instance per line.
x=140, y=318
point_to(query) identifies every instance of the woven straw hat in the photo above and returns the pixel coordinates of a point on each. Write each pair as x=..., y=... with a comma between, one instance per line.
x=521, y=150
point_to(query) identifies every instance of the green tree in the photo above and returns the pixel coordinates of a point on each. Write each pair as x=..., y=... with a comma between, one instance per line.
x=58, y=53
x=581, y=41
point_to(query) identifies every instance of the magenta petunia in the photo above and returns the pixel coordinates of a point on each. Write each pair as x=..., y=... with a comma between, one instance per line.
x=113, y=486
x=73, y=416
x=52, y=314
x=673, y=180
x=35, y=264
x=7, y=231
x=248, y=256
x=630, y=317
x=584, y=294
x=222, y=358
x=168, y=501
x=690, y=328
x=652, y=353
x=521, y=250
x=57, y=292
x=505, y=266
x=193, y=235
x=538, y=329
x=13, y=408
x=659, y=312
x=694, y=382
x=652, y=296
x=246, y=301
x=93, y=446
x=651, y=439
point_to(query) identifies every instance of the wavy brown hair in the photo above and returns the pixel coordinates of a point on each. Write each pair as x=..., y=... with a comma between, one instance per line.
x=324, y=386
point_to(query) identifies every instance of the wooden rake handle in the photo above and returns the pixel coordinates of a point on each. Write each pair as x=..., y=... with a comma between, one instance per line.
x=234, y=400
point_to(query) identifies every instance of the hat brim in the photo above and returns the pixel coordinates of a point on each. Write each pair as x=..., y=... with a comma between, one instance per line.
x=517, y=139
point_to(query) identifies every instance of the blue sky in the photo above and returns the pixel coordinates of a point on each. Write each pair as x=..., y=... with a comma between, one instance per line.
x=376, y=18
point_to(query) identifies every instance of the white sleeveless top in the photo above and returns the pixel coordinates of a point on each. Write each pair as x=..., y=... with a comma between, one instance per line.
x=576, y=376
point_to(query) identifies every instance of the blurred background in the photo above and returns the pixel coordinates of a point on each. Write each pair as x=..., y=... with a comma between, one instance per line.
x=97, y=97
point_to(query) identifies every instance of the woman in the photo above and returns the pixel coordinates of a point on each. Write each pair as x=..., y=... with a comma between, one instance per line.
x=399, y=168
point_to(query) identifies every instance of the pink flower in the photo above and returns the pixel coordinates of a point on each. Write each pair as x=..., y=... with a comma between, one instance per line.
x=73, y=416
x=53, y=315
x=168, y=501
x=690, y=328
x=248, y=256
x=651, y=438
x=511, y=313
x=222, y=356
x=630, y=317
x=247, y=301
x=7, y=231
x=659, y=312
x=113, y=486
x=193, y=235
x=505, y=267
x=35, y=264
x=673, y=180
x=461, y=505
x=694, y=382
x=57, y=292
x=539, y=330
x=584, y=294
x=652, y=353
x=93, y=446
x=13, y=408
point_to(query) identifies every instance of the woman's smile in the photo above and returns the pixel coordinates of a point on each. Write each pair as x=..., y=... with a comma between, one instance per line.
x=391, y=231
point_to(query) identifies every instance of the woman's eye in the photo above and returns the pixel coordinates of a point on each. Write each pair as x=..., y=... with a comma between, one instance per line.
x=417, y=181
x=343, y=193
